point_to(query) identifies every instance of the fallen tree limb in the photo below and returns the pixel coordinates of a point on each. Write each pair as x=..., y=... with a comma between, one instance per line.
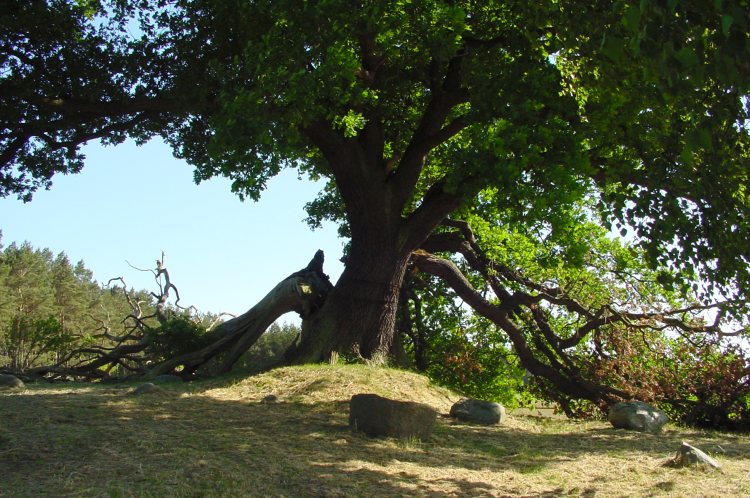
x=302, y=292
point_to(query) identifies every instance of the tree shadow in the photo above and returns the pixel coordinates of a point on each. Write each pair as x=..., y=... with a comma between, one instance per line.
x=107, y=442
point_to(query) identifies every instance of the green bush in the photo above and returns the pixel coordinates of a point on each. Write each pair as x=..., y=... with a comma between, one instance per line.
x=178, y=335
x=699, y=382
x=472, y=358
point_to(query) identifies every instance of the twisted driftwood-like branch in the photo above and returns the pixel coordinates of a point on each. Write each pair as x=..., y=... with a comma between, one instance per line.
x=302, y=292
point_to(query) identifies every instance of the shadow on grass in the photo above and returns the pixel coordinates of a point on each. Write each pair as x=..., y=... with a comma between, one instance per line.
x=104, y=442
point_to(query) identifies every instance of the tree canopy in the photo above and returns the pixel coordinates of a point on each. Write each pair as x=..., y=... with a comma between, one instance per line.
x=641, y=104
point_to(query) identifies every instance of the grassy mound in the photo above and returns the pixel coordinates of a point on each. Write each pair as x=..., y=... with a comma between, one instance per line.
x=218, y=439
x=336, y=383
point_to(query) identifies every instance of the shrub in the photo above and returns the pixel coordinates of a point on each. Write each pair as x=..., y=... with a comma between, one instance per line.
x=481, y=368
x=178, y=335
x=698, y=381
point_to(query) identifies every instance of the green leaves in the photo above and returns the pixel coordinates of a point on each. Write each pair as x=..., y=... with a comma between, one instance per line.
x=89, y=7
x=176, y=336
x=351, y=124
x=542, y=105
x=726, y=24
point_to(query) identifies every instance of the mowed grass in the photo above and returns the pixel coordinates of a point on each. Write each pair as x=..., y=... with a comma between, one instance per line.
x=219, y=439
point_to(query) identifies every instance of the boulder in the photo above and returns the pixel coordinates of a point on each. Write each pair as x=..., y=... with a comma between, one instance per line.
x=690, y=456
x=378, y=416
x=478, y=411
x=8, y=381
x=637, y=416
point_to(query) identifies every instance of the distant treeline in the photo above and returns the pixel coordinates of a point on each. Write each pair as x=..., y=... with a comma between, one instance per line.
x=50, y=307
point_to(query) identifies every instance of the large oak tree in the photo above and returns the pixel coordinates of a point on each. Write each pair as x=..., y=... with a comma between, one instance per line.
x=411, y=110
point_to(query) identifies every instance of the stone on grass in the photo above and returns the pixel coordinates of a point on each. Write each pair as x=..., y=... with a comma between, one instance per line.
x=166, y=378
x=378, y=416
x=690, y=456
x=478, y=411
x=8, y=381
x=637, y=416
x=145, y=388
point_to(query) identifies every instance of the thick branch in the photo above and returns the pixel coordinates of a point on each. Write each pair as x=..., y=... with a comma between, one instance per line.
x=574, y=387
x=436, y=205
x=430, y=133
x=81, y=107
x=465, y=244
x=355, y=175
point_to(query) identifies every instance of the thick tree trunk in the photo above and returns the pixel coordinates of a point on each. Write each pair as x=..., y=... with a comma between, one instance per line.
x=377, y=193
x=359, y=315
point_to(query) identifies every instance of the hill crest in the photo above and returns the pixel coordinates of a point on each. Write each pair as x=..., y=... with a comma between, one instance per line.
x=309, y=384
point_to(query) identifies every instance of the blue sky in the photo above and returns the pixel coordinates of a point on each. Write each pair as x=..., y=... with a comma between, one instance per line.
x=131, y=203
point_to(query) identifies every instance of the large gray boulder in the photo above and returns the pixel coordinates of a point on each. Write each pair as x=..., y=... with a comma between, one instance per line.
x=8, y=381
x=637, y=416
x=378, y=416
x=478, y=411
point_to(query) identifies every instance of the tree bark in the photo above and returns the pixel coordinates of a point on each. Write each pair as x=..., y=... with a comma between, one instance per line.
x=359, y=315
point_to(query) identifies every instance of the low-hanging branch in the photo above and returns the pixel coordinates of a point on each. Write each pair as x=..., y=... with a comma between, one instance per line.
x=522, y=305
x=564, y=381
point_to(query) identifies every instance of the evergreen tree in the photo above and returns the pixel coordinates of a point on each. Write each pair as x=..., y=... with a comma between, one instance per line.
x=32, y=304
x=50, y=308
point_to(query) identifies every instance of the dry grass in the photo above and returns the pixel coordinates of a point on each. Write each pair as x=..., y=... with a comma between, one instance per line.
x=219, y=439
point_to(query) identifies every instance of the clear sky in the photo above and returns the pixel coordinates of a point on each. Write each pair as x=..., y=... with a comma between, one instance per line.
x=131, y=203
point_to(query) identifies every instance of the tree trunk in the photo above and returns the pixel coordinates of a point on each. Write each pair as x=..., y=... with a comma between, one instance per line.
x=359, y=315
x=377, y=194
